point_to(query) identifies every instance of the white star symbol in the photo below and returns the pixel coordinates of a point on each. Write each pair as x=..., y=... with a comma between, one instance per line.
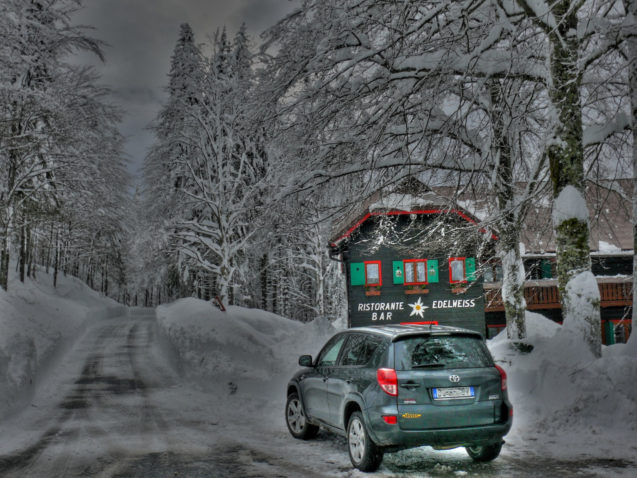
x=418, y=308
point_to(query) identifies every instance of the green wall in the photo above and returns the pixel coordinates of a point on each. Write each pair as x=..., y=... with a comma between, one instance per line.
x=394, y=304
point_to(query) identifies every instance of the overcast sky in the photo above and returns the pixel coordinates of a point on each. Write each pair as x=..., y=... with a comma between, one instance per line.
x=141, y=35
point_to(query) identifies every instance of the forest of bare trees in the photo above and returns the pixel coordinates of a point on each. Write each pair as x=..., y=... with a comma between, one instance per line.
x=62, y=174
x=260, y=147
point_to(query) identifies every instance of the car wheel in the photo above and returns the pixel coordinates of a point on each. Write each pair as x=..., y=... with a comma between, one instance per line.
x=484, y=452
x=363, y=452
x=296, y=420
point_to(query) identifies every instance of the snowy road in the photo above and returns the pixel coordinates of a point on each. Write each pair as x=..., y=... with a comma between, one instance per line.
x=117, y=406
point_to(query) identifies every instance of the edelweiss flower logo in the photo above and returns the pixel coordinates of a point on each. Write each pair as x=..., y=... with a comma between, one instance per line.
x=418, y=308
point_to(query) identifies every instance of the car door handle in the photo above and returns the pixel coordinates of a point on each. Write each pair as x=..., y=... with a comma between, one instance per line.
x=409, y=385
x=325, y=379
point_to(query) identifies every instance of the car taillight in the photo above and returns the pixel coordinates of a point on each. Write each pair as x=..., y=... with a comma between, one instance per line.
x=503, y=376
x=388, y=381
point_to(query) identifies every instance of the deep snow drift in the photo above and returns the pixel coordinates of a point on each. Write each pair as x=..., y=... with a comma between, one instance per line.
x=245, y=356
x=567, y=403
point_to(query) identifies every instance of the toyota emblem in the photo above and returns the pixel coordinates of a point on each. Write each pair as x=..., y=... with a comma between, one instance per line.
x=454, y=378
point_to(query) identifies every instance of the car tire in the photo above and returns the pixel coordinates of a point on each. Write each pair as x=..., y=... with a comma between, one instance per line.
x=363, y=452
x=296, y=420
x=484, y=453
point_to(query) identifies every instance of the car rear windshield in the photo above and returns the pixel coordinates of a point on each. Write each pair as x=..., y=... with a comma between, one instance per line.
x=441, y=351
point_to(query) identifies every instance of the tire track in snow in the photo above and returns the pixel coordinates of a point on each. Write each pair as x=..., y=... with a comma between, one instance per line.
x=124, y=351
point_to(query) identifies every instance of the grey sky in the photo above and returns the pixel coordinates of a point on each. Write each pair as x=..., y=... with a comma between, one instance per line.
x=141, y=35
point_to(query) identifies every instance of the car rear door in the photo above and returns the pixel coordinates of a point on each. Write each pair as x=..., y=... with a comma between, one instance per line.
x=314, y=385
x=350, y=375
x=446, y=381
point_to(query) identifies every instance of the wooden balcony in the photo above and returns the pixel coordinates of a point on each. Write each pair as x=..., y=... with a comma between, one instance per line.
x=543, y=294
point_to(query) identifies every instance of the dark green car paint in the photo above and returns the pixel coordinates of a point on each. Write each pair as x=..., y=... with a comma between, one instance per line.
x=330, y=394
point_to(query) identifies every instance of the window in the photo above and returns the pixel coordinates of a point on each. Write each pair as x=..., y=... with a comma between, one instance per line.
x=373, y=275
x=456, y=270
x=329, y=354
x=452, y=351
x=415, y=271
x=462, y=270
x=359, y=349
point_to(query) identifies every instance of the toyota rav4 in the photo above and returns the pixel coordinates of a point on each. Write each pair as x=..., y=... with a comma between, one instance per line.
x=394, y=387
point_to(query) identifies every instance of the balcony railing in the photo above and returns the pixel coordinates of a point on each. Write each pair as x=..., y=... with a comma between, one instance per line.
x=544, y=294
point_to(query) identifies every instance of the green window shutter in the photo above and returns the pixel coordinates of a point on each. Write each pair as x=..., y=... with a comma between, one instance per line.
x=547, y=273
x=470, y=268
x=357, y=273
x=432, y=270
x=399, y=272
x=610, y=332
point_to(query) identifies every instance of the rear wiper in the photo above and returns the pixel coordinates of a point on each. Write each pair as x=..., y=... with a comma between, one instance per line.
x=429, y=365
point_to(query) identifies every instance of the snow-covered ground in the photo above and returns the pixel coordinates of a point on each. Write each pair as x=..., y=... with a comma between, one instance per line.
x=221, y=406
x=567, y=404
x=38, y=323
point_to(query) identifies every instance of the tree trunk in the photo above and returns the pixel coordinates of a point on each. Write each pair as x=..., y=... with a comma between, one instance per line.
x=23, y=252
x=56, y=260
x=264, y=282
x=630, y=6
x=48, y=251
x=513, y=285
x=4, y=263
x=105, y=282
x=319, y=285
x=578, y=287
x=30, y=254
x=509, y=228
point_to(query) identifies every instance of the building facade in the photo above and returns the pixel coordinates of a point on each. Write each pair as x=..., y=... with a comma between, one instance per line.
x=411, y=255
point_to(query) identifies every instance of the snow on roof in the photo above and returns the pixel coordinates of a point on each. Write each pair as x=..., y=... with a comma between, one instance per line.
x=406, y=202
x=607, y=248
x=476, y=208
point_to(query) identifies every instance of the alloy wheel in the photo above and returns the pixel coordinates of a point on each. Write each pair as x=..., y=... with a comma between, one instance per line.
x=295, y=415
x=356, y=440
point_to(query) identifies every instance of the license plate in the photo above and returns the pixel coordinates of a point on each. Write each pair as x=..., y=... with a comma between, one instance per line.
x=453, y=393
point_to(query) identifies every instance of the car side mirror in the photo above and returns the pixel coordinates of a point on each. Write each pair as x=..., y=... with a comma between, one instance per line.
x=305, y=361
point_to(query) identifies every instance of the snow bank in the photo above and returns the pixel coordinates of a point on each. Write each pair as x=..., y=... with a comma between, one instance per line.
x=565, y=401
x=244, y=356
x=38, y=322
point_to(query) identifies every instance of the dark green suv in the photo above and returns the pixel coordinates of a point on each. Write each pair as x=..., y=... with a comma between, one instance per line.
x=393, y=387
